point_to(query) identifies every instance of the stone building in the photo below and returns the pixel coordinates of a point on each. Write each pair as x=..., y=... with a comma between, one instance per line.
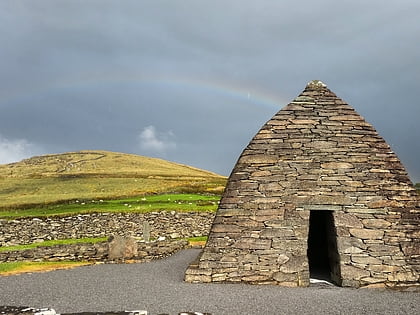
x=317, y=193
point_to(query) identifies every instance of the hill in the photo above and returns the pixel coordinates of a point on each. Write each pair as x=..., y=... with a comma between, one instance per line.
x=55, y=178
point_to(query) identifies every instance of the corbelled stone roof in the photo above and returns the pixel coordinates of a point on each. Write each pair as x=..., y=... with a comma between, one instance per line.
x=315, y=154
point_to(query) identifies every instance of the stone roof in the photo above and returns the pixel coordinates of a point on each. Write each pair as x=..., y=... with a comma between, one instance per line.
x=317, y=153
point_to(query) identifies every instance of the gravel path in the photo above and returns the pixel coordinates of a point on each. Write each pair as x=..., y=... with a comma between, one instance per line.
x=158, y=287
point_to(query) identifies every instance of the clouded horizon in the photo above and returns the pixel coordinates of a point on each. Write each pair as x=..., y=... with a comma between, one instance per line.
x=192, y=81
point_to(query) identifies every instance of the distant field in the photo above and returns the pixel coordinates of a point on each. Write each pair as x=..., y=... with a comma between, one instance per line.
x=140, y=204
x=94, y=175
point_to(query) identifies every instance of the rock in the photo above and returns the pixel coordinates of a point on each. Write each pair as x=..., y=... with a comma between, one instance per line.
x=403, y=277
x=285, y=277
x=146, y=231
x=353, y=250
x=376, y=223
x=384, y=249
x=253, y=243
x=122, y=248
x=258, y=159
x=46, y=311
x=254, y=278
x=366, y=233
x=175, y=235
x=197, y=278
x=336, y=165
x=348, y=220
x=383, y=268
x=365, y=259
x=354, y=273
x=295, y=264
x=226, y=228
x=282, y=259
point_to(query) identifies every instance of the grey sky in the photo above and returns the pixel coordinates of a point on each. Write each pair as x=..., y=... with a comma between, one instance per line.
x=192, y=81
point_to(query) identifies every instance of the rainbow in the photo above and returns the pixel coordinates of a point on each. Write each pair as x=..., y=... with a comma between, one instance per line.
x=250, y=96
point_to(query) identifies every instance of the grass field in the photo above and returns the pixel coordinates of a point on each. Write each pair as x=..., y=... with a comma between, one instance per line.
x=12, y=268
x=95, y=175
x=90, y=240
x=139, y=204
x=99, y=181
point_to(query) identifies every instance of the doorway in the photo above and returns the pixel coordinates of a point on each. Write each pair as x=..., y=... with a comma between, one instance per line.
x=323, y=258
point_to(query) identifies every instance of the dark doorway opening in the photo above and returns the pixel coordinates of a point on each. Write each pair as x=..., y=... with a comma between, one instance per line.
x=324, y=262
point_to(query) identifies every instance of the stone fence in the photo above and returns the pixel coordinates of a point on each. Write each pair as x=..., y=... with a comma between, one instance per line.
x=163, y=224
x=123, y=249
x=135, y=236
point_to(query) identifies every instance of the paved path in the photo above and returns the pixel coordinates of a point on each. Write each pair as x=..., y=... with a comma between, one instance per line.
x=158, y=287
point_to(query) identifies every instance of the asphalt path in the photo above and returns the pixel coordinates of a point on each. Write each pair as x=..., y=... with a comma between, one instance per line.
x=158, y=287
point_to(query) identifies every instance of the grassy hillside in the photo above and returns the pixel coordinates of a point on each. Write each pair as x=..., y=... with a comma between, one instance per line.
x=87, y=175
x=161, y=202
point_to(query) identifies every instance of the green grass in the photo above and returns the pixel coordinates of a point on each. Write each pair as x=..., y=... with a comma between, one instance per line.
x=53, y=242
x=197, y=239
x=10, y=266
x=18, y=267
x=140, y=204
x=27, y=193
x=88, y=175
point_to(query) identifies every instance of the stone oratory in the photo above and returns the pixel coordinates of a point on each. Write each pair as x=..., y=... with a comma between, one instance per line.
x=317, y=194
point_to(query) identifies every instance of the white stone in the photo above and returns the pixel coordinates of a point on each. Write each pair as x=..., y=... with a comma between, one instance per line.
x=46, y=311
x=317, y=83
x=175, y=235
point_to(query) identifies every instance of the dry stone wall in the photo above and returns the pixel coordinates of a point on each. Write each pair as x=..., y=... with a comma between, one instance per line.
x=99, y=252
x=166, y=224
x=317, y=154
x=132, y=236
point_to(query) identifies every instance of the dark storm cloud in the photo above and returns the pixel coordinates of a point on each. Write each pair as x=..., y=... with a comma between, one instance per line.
x=192, y=81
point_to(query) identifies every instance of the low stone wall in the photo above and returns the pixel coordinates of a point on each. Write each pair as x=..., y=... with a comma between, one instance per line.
x=95, y=252
x=129, y=231
x=170, y=225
